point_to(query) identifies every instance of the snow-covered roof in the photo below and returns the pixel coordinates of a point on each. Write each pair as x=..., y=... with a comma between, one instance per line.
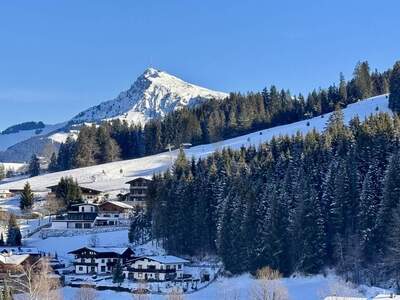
x=166, y=259
x=13, y=259
x=118, y=203
x=387, y=297
x=20, y=250
x=118, y=250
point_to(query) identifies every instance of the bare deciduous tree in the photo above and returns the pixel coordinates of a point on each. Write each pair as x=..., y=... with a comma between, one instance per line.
x=93, y=240
x=86, y=293
x=37, y=282
x=141, y=292
x=175, y=294
x=53, y=205
x=340, y=289
x=268, y=286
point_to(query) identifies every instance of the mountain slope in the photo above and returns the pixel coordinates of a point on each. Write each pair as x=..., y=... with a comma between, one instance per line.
x=109, y=178
x=8, y=140
x=154, y=94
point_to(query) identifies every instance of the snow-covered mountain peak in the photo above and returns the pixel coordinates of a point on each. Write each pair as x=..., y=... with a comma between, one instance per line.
x=154, y=94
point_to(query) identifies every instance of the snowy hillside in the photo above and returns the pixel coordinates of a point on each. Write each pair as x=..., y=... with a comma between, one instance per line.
x=153, y=94
x=8, y=140
x=108, y=177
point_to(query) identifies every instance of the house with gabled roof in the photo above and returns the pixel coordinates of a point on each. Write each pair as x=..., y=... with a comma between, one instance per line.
x=100, y=260
x=155, y=268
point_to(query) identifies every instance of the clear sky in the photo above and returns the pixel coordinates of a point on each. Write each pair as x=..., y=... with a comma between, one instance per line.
x=60, y=57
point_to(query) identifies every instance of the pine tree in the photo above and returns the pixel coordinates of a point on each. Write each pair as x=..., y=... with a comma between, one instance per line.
x=394, y=88
x=118, y=275
x=370, y=199
x=34, y=166
x=362, y=78
x=2, y=242
x=313, y=234
x=14, y=236
x=342, y=89
x=69, y=191
x=53, y=165
x=390, y=201
x=26, y=201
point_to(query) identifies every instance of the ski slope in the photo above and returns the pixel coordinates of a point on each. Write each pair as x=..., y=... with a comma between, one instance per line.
x=112, y=177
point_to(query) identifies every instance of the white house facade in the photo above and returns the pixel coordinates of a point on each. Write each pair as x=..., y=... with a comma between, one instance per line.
x=155, y=268
x=99, y=260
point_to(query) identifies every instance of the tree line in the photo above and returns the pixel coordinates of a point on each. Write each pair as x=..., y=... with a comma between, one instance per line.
x=298, y=203
x=214, y=120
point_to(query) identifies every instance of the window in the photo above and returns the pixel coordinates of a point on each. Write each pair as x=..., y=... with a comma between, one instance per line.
x=179, y=267
x=86, y=225
x=168, y=267
x=91, y=209
x=80, y=268
x=82, y=209
x=78, y=225
x=103, y=269
x=116, y=216
x=139, y=266
x=103, y=261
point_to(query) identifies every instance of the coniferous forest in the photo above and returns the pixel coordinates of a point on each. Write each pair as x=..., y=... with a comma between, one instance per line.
x=298, y=203
x=214, y=120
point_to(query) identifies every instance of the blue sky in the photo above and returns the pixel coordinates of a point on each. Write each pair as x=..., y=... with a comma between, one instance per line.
x=60, y=57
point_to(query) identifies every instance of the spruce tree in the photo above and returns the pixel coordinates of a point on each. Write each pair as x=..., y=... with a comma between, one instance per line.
x=2, y=242
x=34, y=166
x=26, y=201
x=53, y=165
x=394, y=88
x=118, y=275
x=390, y=201
x=14, y=237
x=362, y=78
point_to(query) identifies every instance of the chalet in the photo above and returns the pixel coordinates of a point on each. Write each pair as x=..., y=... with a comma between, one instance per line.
x=89, y=195
x=5, y=194
x=13, y=259
x=138, y=190
x=89, y=215
x=113, y=213
x=155, y=268
x=100, y=260
x=80, y=216
x=12, y=263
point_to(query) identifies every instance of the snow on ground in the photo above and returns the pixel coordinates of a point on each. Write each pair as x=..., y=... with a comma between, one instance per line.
x=61, y=137
x=111, y=177
x=300, y=288
x=63, y=245
x=8, y=140
x=15, y=167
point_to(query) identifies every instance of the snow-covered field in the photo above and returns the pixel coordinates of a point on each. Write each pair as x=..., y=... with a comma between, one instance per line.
x=240, y=288
x=63, y=245
x=109, y=177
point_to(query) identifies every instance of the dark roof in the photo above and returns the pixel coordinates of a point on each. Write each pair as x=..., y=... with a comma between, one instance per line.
x=137, y=179
x=104, y=250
